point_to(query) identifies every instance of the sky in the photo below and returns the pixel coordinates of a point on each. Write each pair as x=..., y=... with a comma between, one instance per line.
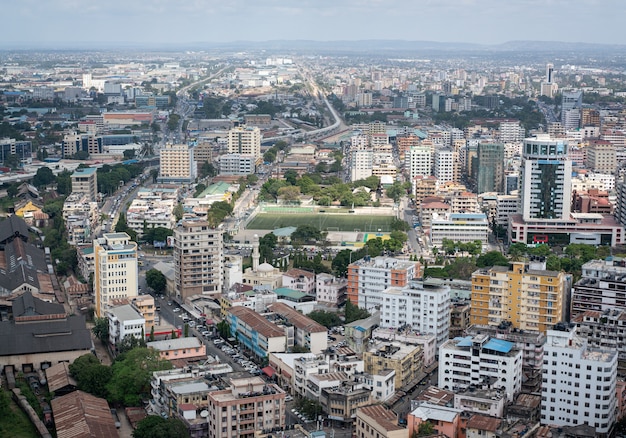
x=46, y=22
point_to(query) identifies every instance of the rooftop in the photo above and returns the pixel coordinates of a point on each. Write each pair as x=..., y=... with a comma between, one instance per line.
x=296, y=318
x=426, y=411
x=84, y=171
x=386, y=418
x=256, y=322
x=173, y=344
x=125, y=313
x=82, y=415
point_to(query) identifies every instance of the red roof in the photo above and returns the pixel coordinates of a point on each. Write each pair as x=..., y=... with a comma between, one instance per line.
x=269, y=371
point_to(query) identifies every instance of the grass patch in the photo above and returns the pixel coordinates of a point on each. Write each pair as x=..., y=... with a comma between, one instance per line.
x=16, y=423
x=323, y=221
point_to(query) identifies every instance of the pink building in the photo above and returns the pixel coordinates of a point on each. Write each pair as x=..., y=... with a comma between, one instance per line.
x=300, y=280
x=445, y=420
x=179, y=348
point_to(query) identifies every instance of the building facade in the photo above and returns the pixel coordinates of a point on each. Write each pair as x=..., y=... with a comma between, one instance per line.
x=245, y=140
x=177, y=164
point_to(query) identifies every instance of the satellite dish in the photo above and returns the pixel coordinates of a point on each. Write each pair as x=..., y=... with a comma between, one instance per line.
x=204, y=413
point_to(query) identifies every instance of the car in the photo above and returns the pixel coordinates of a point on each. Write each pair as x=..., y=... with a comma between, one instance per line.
x=192, y=324
x=205, y=333
x=289, y=398
x=176, y=310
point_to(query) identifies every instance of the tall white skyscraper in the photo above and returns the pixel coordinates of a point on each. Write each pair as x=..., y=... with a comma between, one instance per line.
x=546, y=179
x=245, y=140
x=444, y=165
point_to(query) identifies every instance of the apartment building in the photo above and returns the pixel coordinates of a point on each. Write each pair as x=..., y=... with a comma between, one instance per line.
x=369, y=277
x=482, y=362
x=301, y=280
x=421, y=306
x=190, y=348
x=198, y=259
x=177, y=164
x=530, y=342
x=602, y=286
x=579, y=382
x=85, y=180
x=248, y=406
x=115, y=270
x=603, y=329
x=445, y=165
x=406, y=360
x=424, y=187
x=307, y=333
x=410, y=337
x=150, y=213
x=245, y=140
x=330, y=290
x=125, y=321
x=361, y=164
x=418, y=161
x=376, y=421
x=506, y=205
x=257, y=334
x=527, y=295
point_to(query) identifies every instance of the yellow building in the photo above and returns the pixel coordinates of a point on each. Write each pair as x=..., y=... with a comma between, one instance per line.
x=406, y=360
x=527, y=295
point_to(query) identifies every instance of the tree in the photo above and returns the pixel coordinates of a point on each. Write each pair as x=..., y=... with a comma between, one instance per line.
x=291, y=176
x=12, y=191
x=208, y=169
x=101, y=329
x=289, y=193
x=307, y=233
x=64, y=182
x=91, y=376
x=156, y=280
x=154, y=173
x=327, y=319
x=396, y=191
x=491, y=258
x=517, y=251
x=399, y=225
x=354, y=313
x=178, y=211
x=129, y=154
x=154, y=426
x=252, y=179
x=269, y=156
x=132, y=371
x=43, y=177
x=425, y=429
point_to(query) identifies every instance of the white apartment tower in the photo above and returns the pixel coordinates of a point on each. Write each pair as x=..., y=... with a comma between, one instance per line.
x=419, y=161
x=177, y=164
x=579, y=383
x=361, y=164
x=444, y=166
x=546, y=179
x=245, y=140
x=115, y=270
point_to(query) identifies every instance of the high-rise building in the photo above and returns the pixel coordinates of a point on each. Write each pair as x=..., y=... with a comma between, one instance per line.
x=444, y=165
x=549, y=72
x=548, y=86
x=590, y=117
x=579, y=382
x=85, y=180
x=361, y=164
x=601, y=157
x=490, y=169
x=546, y=179
x=526, y=295
x=245, y=140
x=198, y=259
x=419, y=161
x=177, y=164
x=368, y=278
x=115, y=270
x=511, y=131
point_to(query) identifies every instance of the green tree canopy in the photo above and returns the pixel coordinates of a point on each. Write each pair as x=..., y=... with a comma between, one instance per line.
x=327, y=319
x=156, y=280
x=354, y=313
x=43, y=177
x=91, y=376
x=491, y=258
x=101, y=329
x=154, y=426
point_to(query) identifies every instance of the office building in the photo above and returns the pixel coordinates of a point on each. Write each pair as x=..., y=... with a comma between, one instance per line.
x=480, y=362
x=490, y=169
x=237, y=164
x=198, y=259
x=177, y=164
x=418, y=161
x=249, y=406
x=245, y=140
x=526, y=295
x=116, y=270
x=369, y=277
x=459, y=227
x=511, y=131
x=10, y=146
x=361, y=164
x=579, y=382
x=601, y=157
x=546, y=179
x=422, y=306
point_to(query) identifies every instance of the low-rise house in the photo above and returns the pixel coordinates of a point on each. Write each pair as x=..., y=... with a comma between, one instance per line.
x=377, y=421
x=299, y=279
x=125, y=321
x=180, y=348
x=330, y=290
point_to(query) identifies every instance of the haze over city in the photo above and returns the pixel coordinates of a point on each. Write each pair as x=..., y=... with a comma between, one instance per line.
x=73, y=23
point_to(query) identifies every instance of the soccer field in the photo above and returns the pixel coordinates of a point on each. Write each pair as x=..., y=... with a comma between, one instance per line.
x=324, y=222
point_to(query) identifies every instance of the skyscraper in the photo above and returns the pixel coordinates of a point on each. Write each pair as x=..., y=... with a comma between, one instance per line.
x=546, y=179
x=490, y=169
x=245, y=140
x=571, y=107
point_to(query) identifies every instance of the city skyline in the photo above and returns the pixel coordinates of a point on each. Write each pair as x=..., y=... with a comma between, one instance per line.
x=79, y=22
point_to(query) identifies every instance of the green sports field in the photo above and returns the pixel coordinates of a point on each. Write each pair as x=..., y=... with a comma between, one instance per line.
x=323, y=221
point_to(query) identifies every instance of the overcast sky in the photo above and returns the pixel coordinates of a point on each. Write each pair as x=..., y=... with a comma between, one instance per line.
x=179, y=21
